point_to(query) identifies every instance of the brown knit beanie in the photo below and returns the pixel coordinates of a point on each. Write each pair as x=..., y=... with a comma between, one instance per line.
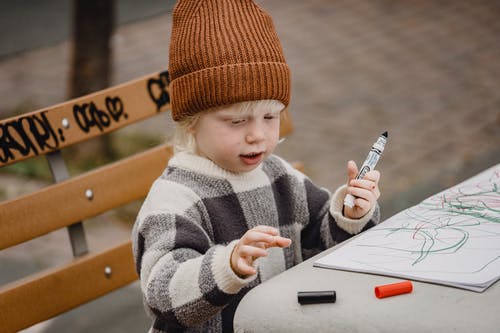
x=224, y=52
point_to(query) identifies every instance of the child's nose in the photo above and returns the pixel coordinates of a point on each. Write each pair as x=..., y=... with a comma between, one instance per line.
x=255, y=134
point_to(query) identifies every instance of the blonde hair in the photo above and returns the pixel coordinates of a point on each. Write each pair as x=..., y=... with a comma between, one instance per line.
x=185, y=141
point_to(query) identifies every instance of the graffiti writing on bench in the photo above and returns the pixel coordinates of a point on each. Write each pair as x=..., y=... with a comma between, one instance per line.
x=157, y=89
x=27, y=135
x=88, y=115
x=33, y=134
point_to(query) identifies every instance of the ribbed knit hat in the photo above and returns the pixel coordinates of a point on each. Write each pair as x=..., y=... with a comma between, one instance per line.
x=224, y=52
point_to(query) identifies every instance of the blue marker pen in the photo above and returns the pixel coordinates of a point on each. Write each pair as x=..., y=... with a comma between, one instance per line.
x=369, y=164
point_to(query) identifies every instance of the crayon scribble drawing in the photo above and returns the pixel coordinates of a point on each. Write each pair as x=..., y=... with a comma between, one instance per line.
x=450, y=238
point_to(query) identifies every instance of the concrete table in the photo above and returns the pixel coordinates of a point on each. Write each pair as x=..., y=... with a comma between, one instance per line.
x=273, y=307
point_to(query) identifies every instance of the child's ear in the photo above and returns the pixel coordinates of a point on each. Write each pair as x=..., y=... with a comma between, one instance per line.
x=191, y=130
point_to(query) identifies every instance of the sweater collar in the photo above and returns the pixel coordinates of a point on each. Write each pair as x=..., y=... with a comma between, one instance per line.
x=191, y=162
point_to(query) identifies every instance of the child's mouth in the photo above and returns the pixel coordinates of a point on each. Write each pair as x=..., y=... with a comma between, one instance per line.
x=252, y=158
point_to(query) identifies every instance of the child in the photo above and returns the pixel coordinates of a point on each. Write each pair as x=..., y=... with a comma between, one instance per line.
x=227, y=214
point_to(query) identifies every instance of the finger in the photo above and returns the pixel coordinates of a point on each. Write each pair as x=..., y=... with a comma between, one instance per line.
x=254, y=237
x=361, y=193
x=368, y=185
x=251, y=251
x=277, y=241
x=363, y=204
x=363, y=183
x=261, y=245
x=352, y=170
x=376, y=192
x=266, y=229
x=244, y=267
x=373, y=175
x=280, y=242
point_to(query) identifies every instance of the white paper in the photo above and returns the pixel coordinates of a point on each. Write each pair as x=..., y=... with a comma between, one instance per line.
x=451, y=238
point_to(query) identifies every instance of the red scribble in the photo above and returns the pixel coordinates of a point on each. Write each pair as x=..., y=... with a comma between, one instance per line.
x=417, y=229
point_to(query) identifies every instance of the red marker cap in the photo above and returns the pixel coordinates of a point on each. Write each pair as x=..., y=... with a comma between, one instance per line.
x=393, y=289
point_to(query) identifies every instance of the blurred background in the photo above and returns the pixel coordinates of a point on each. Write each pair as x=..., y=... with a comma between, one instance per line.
x=428, y=72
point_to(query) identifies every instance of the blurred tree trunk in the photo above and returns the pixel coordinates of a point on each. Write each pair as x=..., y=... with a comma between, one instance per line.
x=91, y=62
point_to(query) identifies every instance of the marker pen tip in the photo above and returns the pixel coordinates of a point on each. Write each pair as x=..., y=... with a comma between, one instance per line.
x=385, y=134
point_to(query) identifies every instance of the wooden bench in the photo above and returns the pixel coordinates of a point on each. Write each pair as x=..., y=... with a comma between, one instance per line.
x=69, y=201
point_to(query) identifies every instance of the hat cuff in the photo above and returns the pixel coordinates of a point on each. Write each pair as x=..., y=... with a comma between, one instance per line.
x=229, y=84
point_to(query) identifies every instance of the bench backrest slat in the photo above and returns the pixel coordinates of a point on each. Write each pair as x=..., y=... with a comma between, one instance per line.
x=45, y=295
x=49, y=209
x=46, y=130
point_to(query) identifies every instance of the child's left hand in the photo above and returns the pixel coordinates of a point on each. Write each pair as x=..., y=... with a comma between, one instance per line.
x=252, y=245
x=365, y=191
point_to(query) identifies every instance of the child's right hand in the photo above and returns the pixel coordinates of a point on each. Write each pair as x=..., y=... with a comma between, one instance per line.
x=254, y=244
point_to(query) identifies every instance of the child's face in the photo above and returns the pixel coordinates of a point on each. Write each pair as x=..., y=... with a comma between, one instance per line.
x=237, y=141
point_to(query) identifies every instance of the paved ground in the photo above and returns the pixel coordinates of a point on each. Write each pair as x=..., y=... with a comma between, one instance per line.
x=426, y=71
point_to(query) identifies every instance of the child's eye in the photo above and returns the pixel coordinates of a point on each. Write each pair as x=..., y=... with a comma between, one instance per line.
x=271, y=116
x=237, y=121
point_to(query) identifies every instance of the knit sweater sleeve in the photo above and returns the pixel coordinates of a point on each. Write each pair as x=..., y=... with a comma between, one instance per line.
x=185, y=278
x=325, y=225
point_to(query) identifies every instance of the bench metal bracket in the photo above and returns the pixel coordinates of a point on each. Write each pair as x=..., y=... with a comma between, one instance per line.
x=76, y=231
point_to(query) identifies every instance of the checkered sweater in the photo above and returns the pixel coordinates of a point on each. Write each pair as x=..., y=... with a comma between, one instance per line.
x=192, y=218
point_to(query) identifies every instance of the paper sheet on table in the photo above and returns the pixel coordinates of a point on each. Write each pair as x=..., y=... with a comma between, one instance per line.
x=451, y=238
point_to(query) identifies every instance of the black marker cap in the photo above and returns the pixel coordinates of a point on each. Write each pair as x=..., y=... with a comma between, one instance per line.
x=313, y=297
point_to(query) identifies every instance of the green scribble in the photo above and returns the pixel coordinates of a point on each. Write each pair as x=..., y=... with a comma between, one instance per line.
x=457, y=211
